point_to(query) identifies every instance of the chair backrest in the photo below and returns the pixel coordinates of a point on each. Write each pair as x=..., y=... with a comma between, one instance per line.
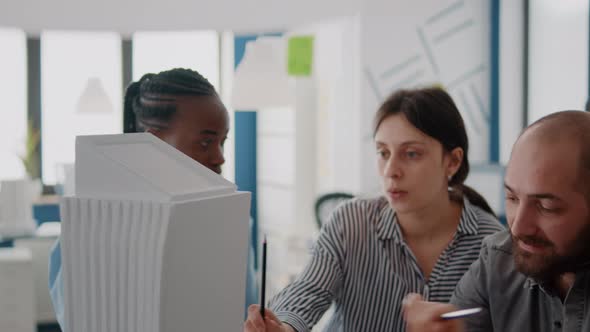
x=326, y=203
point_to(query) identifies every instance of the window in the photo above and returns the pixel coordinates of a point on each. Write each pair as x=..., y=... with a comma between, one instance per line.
x=81, y=92
x=157, y=51
x=558, y=76
x=13, y=91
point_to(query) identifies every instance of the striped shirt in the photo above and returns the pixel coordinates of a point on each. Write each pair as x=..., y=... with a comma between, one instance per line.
x=362, y=265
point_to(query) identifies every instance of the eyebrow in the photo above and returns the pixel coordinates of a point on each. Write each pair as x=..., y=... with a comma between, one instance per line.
x=404, y=143
x=209, y=132
x=538, y=195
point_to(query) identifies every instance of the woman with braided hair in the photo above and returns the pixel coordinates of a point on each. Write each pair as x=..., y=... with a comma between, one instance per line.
x=182, y=108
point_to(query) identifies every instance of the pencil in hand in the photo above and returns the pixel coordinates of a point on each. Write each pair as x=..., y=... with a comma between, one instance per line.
x=263, y=282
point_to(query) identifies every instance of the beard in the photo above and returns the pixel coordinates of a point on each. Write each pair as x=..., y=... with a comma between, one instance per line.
x=547, y=266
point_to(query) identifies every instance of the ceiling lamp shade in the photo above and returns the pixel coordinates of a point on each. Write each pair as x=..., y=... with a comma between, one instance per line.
x=94, y=98
x=261, y=79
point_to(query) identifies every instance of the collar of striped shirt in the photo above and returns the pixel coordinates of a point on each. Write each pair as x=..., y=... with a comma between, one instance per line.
x=388, y=228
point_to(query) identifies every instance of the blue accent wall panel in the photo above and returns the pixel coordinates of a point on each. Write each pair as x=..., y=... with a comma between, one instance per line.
x=495, y=83
x=245, y=143
x=46, y=212
x=245, y=147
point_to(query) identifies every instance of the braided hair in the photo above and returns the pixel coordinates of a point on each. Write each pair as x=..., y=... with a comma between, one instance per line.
x=151, y=101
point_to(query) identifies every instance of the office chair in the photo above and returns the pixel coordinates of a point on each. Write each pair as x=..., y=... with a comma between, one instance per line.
x=326, y=203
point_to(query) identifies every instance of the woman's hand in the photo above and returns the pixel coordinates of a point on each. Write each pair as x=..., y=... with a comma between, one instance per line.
x=270, y=323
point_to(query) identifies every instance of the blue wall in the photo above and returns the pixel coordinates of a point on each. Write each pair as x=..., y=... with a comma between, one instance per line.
x=495, y=82
x=245, y=143
x=245, y=147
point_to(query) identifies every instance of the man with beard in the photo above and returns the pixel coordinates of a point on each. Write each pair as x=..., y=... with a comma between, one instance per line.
x=536, y=275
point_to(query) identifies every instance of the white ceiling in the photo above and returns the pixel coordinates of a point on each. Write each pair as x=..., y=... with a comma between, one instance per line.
x=127, y=16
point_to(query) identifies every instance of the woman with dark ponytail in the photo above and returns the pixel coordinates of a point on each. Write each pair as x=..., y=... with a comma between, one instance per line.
x=182, y=108
x=433, y=113
x=420, y=236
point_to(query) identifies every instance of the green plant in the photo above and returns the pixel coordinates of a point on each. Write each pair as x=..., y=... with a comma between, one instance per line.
x=30, y=158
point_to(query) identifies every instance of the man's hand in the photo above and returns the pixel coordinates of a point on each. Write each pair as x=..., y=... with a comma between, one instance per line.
x=425, y=316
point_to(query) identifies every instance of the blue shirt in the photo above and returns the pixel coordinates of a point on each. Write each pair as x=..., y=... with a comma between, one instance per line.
x=56, y=283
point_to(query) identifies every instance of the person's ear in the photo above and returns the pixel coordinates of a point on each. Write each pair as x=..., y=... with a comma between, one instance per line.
x=455, y=159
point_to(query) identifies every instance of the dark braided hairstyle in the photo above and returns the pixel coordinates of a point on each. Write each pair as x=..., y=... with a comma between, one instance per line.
x=151, y=101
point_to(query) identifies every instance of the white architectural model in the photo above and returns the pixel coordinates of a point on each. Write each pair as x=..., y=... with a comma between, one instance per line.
x=152, y=241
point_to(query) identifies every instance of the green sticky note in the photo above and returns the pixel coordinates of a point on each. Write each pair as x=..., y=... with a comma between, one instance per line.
x=300, y=55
